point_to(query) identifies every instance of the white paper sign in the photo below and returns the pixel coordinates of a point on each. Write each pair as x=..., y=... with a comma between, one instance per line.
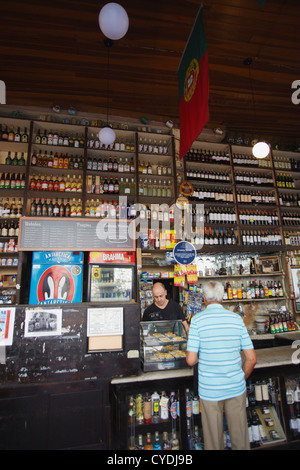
x=106, y=321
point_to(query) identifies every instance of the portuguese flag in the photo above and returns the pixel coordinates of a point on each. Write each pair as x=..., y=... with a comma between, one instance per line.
x=193, y=86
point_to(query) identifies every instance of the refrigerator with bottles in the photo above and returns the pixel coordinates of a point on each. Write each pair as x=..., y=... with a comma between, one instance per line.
x=112, y=276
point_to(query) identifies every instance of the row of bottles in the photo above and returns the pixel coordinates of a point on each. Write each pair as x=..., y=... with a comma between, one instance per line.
x=153, y=408
x=285, y=163
x=208, y=175
x=56, y=183
x=163, y=442
x=258, y=217
x=149, y=145
x=280, y=323
x=213, y=194
x=13, y=134
x=57, y=208
x=290, y=218
x=154, y=169
x=155, y=188
x=292, y=200
x=11, y=208
x=12, y=181
x=292, y=238
x=110, y=209
x=208, y=156
x=156, y=212
x=61, y=161
x=258, y=179
x=235, y=290
x=261, y=237
x=59, y=138
x=120, y=144
x=15, y=160
x=9, y=229
x=285, y=181
x=212, y=236
x=110, y=164
x=250, y=160
x=106, y=185
x=255, y=197
x=214, y=215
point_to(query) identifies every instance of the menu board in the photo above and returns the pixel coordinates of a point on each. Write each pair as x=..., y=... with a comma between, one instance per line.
x=48, y=233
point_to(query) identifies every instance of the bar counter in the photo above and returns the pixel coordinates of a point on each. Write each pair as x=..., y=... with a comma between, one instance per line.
x=268, y=357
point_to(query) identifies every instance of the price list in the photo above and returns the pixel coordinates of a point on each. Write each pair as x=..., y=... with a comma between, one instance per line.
x=65, y=234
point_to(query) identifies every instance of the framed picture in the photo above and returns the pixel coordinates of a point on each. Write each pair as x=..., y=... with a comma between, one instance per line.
x=267, y=265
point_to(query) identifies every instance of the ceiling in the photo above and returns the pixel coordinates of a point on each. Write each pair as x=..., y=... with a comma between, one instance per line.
x=53, y=53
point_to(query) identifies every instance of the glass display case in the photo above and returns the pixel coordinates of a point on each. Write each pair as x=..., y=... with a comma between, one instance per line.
x=163, y=345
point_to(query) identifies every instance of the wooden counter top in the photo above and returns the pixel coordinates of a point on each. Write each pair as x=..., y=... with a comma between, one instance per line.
x=269, y=357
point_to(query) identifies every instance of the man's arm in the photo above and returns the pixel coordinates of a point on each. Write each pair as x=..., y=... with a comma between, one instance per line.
x=191, y=358
x=250, y=361
x=186, y=326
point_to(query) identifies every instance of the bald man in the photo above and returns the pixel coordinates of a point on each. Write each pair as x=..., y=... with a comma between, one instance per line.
x=162, y=308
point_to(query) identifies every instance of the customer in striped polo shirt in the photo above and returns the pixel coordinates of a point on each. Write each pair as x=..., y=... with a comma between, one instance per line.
x=216, y=338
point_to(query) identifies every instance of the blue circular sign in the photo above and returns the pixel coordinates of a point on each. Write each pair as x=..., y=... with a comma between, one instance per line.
x=184, y=253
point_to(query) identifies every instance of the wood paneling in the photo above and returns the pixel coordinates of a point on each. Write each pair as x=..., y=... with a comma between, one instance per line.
x=53, y=53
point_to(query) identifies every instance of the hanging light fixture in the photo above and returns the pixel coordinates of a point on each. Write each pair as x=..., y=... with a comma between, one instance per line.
x=107, y=135
x=260, y=149
x=113, y=21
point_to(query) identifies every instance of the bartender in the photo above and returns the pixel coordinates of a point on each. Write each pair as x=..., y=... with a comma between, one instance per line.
x=162, y=308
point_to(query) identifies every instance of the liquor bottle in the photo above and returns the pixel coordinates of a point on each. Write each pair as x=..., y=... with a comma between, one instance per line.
x=11, y=135
x=140, y=445
x=5, y=134
x=173, y=406
x=255, y=426
x=174, y=442
x=147, y=409
x=56, y=209
x=157, y=443
x=164, y=410
x=50, y=208
x=62, y=209
x=24, y=136
x=45, y=208
x=166, y=443
x=197, y=445
x=148, y=445
x=155, y=400
x=17, y=135
x=138, y=399
x=33, y=208
x=8, y=160
x=131, y=410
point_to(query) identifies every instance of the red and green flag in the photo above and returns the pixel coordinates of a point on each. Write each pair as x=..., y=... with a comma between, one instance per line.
x=193, y=86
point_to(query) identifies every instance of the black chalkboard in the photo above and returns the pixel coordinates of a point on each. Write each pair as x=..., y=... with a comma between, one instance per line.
x=47, y=233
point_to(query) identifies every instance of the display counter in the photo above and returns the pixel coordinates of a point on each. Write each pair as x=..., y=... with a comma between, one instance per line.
x=276, y=366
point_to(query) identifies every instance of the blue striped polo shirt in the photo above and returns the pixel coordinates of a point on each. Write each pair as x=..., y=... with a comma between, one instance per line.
x=218, y=336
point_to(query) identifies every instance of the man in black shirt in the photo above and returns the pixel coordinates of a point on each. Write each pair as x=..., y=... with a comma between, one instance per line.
x=162, y=308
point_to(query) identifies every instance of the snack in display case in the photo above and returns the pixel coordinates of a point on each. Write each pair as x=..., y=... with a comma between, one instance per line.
x=163, y=345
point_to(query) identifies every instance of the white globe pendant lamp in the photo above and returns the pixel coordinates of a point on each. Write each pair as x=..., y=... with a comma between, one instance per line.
x=107, y=135
x=261, y=150
x=113, y=21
